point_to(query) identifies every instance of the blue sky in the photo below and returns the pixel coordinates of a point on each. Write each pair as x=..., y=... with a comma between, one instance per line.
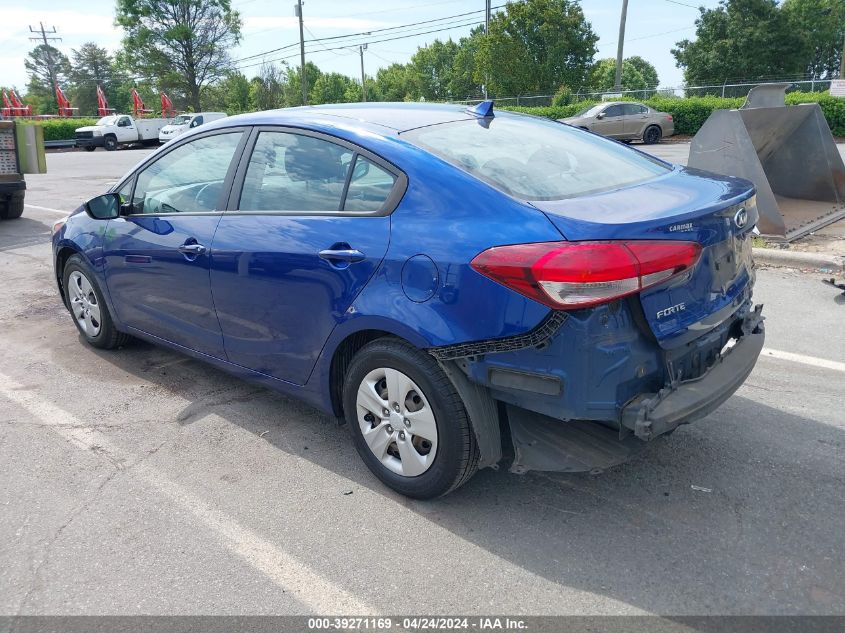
x=653, y=28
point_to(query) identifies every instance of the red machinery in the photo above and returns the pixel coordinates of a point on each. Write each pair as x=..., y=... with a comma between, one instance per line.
x=12, y=105
x=167, y=109
x=138, y=107
x=103, y=108
x=65, y=108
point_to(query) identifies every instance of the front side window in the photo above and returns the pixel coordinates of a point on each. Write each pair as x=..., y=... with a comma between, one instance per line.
x=188, y=179
x=614, y=110
x=293, y=172
x=536, y=159
x=124, y=122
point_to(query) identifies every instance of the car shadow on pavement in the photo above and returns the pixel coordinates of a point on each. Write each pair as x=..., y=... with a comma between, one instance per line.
x=22, y=232
x=738, y=513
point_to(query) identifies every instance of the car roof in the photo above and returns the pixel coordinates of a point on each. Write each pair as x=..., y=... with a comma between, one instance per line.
x=395, y=117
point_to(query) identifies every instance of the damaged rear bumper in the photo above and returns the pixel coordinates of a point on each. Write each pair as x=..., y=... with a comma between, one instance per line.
x=652, y=414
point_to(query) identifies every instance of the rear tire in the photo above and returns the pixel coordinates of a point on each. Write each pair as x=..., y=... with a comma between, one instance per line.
x=84, y=300
x=426, y=448
x=12, y=208
x=110, y=143
x=652, y=135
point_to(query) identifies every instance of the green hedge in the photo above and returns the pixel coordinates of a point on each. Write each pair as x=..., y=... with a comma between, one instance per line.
x=690, y=113
x=61, y=129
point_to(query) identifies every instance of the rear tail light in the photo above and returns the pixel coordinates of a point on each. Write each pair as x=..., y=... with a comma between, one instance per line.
x=669, y=117
x=570, y=275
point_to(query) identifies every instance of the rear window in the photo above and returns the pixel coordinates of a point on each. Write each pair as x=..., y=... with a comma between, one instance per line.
x=536, y=159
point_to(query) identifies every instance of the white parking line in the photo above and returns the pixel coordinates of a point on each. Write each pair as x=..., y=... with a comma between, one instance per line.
x=304, y=584
x=35, y=206
x=804, y=360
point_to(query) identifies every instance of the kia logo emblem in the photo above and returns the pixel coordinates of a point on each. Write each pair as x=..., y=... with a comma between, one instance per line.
x=741, y=218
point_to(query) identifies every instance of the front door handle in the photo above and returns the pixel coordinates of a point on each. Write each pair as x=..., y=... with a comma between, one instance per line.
x=191, y=250
x=348, y=255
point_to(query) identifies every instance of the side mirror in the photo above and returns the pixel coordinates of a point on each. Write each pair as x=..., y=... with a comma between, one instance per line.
x=600, y=116
x=104, y=207
x=362, y=168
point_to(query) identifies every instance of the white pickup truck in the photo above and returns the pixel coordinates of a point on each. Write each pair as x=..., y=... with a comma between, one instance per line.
x=119, y=129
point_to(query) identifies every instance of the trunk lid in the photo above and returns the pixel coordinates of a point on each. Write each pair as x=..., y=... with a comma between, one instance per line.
x=684, y=204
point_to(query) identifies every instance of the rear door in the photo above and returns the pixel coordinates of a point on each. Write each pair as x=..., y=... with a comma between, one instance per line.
x=636, y=119
x=310, y=225
x=158, y=255
x=612, y=124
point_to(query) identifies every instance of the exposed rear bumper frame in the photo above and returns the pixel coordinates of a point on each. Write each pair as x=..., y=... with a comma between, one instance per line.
x=653, y=414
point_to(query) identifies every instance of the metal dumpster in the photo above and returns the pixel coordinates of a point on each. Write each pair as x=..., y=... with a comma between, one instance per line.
x=788, y=152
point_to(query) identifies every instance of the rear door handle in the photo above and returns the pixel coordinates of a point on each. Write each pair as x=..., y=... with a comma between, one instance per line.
x=349, y=255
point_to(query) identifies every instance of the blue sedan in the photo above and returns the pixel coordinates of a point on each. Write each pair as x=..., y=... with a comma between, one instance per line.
x=462, y=287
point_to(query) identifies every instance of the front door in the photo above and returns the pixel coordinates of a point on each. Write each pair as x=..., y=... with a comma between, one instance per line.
x=157, y=255
x=310, y=230
x=612, y=124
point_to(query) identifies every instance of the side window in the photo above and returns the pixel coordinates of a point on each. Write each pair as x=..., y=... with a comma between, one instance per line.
x=634, y=109
x=369, y=186
x=197, y=121
x=188, y=179
x=123, y=122
x=614, y=110
x=126, y=191
x=292, y=172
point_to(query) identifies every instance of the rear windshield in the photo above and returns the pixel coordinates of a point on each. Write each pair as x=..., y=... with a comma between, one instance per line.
x=536, y=159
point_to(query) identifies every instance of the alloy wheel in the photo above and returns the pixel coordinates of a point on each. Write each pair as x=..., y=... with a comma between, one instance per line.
x=84, y=304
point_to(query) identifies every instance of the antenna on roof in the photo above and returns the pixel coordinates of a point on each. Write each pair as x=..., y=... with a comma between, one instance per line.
x=483, y=109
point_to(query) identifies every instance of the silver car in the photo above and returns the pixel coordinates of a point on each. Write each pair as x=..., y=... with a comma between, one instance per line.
x=624, y=120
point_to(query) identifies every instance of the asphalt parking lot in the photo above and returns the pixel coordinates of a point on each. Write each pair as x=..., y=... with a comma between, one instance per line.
x=141, y=482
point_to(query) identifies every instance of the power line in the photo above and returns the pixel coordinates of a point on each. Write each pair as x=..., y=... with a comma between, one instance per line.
x=410, y=25
x=349, y=44
x=683, y=4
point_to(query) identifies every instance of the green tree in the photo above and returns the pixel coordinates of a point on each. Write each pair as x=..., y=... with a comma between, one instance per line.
x=230, y=94
x=648, y=71
x=534, y=47
x=46, y=66
x=267, y=90
x=818, y=26
x=92, y=66
x=353, y=92
x=739, y=39
x=330, y=88
x=396, y=83
x=293, y=87
x=602, y=77
x=184, y=43
x=432, y=67
x=462, y=83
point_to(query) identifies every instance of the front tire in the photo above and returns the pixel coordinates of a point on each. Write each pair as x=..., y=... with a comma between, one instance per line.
x=90, y=148
x=110, y=143
x=652, y=135
x=87, y=307
x=407, y=420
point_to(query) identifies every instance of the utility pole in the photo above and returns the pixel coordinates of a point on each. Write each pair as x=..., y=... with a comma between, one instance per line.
x=617, y=87
x=298, y=11
x=486, y=33
x=44, y=39
x=361, y=49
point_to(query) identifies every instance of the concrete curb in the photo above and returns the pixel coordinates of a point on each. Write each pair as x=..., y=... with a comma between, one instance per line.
x=797, y=259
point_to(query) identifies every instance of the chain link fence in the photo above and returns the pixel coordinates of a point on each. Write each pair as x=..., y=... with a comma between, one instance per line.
x=725, y=89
